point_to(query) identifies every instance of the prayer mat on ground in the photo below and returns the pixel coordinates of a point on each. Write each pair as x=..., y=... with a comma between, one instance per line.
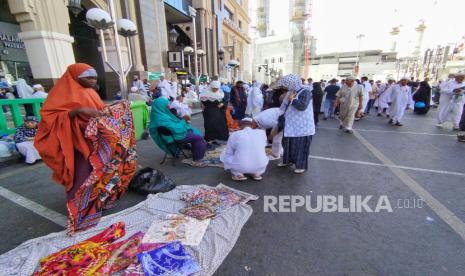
x=220, y=237
x=113, y=163
x=212, y=157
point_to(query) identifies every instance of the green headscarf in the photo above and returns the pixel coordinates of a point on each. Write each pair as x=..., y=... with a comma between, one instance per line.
x=161, y=116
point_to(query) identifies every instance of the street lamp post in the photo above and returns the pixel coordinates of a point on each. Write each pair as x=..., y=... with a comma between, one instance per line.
x=359, y=37
x=193, y=13
x=201, y=53
x=101, y=20
x=188, y=51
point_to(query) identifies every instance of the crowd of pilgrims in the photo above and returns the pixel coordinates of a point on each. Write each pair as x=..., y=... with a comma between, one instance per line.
x=246, y=118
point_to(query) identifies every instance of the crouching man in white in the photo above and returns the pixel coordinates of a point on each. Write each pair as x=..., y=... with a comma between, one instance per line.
x=245, y=152
x=24, y=139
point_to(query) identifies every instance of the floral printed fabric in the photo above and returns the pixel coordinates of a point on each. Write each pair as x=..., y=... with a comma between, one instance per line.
x=86, y=257
x=207, y=203
x=113, y=162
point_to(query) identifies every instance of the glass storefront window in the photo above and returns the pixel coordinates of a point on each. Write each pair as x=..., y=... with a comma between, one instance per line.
x=17, y=70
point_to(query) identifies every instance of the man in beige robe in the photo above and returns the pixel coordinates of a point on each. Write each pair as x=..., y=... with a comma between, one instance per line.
x=350, y=101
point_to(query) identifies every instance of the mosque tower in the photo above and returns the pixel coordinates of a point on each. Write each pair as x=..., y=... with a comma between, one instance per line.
x=395, y=37
x=263, y=18
x=420, y=29
x=299, y=17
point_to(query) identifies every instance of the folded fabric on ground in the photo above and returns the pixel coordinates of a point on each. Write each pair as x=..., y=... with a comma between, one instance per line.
x=220, y=237
x=171, y=259
x=176, y=227
x=212, y=157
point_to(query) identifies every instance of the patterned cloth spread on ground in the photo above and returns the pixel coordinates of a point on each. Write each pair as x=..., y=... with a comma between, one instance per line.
x=113, y=162
x=220, y=237
x=212, y=157
x=98, y=255
x=207, y=203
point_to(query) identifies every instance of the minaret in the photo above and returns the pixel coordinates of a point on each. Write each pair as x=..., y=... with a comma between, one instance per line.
x=420, y=30
x=298, y=17
x=395, y=36
x=263, y=18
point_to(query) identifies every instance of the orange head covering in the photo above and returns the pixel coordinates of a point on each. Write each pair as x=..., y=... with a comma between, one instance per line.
x=59, y=135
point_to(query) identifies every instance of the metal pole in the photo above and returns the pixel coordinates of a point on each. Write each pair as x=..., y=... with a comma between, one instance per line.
x=196, y=69
x=189, y=62
x=122, y=78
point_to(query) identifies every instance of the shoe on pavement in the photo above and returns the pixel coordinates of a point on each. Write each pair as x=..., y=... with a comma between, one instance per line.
x=439, y=125
x=350, y=131
x=299, y=171
x=257, y=177
x=391, y=121
x=379, y=115
x=281, y=165
x=271, y=157
x=239, y=177
x=341, y=127
x=398, y=124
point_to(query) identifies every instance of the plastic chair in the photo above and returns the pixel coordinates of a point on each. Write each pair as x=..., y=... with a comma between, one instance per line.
x=174, y=148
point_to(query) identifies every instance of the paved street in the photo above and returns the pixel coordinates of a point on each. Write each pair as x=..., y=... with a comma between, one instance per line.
x=402, y=163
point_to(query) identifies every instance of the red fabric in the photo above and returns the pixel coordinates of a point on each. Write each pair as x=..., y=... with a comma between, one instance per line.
x=59, y=135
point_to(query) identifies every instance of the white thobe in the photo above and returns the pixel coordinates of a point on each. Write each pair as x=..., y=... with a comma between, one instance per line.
x=165, y=88
x=182, y=109
x=400, y=98
x=366, y=94
x=269, y=119
x=254, y=102
x=173, y=90
x=39, y=95
x=450, y=105
x=384, y=97
x=140, y=86
x=245, y=152
x=29, y=151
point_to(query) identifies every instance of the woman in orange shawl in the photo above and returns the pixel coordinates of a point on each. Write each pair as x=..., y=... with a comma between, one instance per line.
x=62, y=144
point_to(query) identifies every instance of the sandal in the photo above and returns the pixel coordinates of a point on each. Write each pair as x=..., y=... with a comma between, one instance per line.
x=239, y=177
x=257, y=177
x=198, y=164
x=282, y=165
x=299, y=171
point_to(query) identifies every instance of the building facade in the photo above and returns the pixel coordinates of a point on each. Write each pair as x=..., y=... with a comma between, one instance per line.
x=374, y=64
x=272, y=58
x=235, y=40
x=41, y=38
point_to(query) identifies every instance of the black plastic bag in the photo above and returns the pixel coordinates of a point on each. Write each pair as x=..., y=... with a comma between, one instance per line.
x=150, y=181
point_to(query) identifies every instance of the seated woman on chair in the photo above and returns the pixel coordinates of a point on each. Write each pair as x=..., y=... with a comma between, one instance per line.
x=161, y=116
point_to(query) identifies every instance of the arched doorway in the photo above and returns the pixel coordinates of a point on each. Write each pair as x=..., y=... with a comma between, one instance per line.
x=85, y=47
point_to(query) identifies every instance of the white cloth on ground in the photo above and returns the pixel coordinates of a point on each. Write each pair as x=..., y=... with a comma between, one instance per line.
x=28, y=150
x=245, y=152
x=218, y=241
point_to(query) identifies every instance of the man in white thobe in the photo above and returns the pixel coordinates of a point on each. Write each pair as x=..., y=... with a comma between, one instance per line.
x=367, y=89
x=451, y=101
x=384, y=97
x=165, y=87
x=268, y=119
x=350, y=101
x=140, y=85
x=245, y=152
x=39, y=92
x=401, y=98
x=173, y=89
